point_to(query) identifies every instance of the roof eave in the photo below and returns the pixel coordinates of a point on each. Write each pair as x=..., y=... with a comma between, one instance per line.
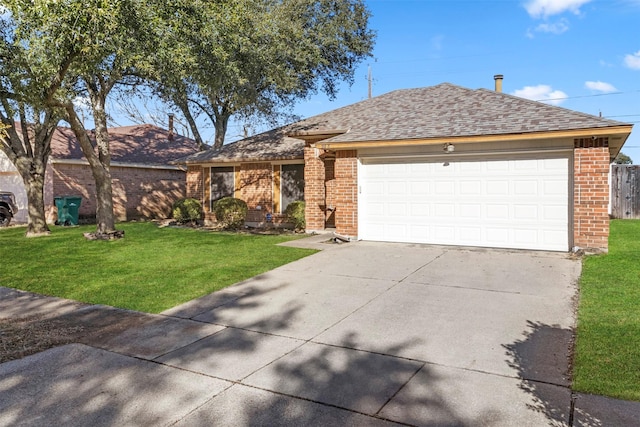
x=314, y=135
x=241, y=160
x=622, y=132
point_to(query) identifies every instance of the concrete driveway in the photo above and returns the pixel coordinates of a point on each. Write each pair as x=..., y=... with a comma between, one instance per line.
x=358, y=334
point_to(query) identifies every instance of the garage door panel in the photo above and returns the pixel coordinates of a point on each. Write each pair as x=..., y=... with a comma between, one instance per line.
x=525, y=188
x=555, y=213
x=397, y=209
x=497, y=236
x=470, y=234
x=471, y=211
x=419, y=231
x=497, y=188
x=556, y=187
x=470, y=188
x=420, y=187
x=497, y=212
x=443, y=233
x=420, y=209
x=496, y=203
x=444, y=210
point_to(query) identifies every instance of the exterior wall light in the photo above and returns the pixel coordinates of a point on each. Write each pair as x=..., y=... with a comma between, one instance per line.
x=449, y=148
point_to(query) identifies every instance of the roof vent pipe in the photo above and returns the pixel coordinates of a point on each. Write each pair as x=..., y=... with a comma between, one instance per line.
x=498, y=78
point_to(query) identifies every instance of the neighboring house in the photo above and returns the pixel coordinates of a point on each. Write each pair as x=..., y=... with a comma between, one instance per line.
x=437, y=165
x=145, y=182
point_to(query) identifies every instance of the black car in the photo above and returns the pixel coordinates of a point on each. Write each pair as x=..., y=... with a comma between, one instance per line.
x=8, y=208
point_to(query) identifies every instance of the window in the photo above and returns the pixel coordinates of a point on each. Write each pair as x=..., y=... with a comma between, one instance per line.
x=292, y=184
x=222, y=183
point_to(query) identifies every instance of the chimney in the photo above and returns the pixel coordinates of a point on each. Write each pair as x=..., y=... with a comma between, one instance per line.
x=170, y=126
x=498, y=79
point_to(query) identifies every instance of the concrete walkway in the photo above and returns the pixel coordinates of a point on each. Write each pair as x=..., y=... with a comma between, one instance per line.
x=358, y=334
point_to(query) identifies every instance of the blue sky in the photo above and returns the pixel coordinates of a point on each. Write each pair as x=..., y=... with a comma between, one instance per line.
x=579, y=54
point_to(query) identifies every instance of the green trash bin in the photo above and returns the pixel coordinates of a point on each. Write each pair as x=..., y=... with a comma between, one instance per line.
x=68, y=209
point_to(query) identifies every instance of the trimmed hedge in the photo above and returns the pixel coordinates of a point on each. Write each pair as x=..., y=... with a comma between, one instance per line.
x=187, y=210
x=230, y=212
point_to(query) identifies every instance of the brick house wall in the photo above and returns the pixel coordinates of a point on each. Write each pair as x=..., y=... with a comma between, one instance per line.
x=332, y=183
x=346, y=193
x=137, y=192
x=256, y=185
x=314, y=189
x=195, y=183
x=591, y=194
x=253, y=184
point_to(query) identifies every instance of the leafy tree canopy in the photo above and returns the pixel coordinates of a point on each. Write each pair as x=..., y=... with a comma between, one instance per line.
x=623, y=159
x=254, y=58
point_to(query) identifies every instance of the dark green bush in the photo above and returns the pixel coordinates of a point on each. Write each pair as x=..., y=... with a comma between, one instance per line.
x=187, y=210
x=230, y=212
x=295, y=213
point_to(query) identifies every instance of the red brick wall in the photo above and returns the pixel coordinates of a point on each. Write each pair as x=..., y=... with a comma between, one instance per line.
x=74, y=180
x=346, y=192
x=137, y=192
x=591, y=198
x=314, y=189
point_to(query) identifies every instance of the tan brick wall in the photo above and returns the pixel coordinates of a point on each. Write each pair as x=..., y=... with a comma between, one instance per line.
x=256, y=186
x=346, y=192
x=591, y=198
x=314, y=189
x=195, y=183
x=137, y=192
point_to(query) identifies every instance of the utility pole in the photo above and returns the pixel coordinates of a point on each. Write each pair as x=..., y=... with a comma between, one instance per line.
x=369, y=79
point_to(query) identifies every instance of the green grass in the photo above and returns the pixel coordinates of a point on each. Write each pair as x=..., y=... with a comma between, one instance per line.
x=607, y=358
x=151, y=269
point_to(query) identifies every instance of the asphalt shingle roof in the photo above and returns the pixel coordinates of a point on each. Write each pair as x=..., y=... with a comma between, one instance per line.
x=440, y=111
x=139, y=144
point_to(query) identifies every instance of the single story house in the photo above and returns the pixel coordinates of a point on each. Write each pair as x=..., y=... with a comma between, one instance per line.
x=145, y=182
x=436, y=165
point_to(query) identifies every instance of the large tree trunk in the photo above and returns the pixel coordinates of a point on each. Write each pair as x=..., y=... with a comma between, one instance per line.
x=100, y=168
x=102, y=174
x=28, y=149
x=34, y=184
x=220, y=124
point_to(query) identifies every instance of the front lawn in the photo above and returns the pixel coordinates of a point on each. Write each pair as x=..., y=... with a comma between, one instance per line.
x=607, y=357
x=151, y=269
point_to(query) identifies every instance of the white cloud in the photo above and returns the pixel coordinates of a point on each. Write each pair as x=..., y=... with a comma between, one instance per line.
x=546, y=8
x=601, y=87
x=633, y=60
x=543, y=93
x=554, y=28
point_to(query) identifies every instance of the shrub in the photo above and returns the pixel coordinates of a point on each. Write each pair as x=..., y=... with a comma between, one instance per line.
x=295, y=213
x=230, y=212
x=187, y=210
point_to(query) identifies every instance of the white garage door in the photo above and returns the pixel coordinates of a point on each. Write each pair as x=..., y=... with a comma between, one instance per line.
x=497, y=203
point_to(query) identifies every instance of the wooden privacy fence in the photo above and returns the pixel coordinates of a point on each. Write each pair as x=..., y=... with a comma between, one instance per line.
x=625, y=191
